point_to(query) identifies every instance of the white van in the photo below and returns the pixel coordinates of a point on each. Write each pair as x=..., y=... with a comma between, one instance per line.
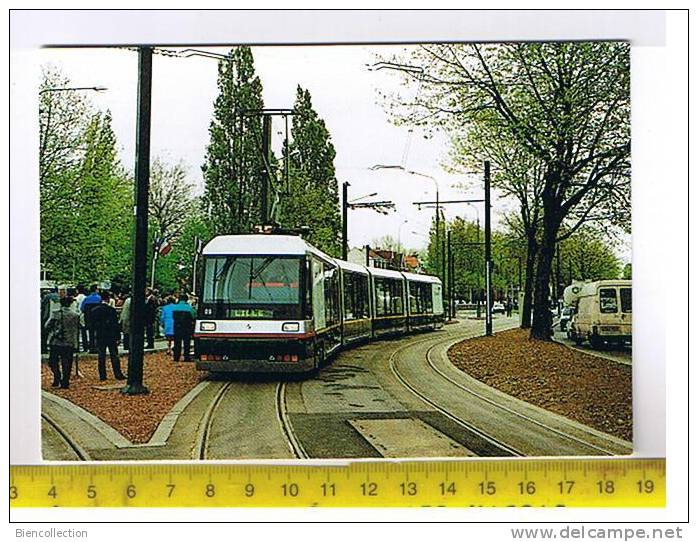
x=603, y=313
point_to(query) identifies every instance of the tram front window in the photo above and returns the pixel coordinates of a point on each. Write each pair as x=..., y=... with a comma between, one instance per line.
x=252, y=287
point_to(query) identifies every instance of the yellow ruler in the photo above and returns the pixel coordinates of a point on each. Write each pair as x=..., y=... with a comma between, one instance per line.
x=521, y=482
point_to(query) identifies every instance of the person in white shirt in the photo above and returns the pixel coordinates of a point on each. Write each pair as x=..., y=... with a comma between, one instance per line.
x=83, y=329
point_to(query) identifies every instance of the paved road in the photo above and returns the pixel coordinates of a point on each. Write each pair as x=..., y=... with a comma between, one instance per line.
x=389, y=398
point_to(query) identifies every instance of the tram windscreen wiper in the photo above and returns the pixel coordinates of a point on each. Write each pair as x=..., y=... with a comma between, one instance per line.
x=255, y=275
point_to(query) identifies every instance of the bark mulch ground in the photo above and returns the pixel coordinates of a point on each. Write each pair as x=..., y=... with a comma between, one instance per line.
x=585, y=388
x=135, y=417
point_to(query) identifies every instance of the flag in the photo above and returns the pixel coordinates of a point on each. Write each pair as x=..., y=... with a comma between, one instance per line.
x=163, y=247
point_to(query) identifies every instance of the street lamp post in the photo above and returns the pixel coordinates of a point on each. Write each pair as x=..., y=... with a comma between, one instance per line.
x=399, y=231
x=345, y=209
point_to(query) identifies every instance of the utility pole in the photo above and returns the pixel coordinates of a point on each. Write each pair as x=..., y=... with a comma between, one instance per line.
x=488, y=253
x=438, y=236
x=441, y=248
x=266, y=181
x=443, y=254
x=367, y=251
x=451, y=281
x=134, y=384
x=345, y=208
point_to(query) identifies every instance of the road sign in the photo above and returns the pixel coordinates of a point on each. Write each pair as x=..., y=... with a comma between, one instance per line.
x=549, y=482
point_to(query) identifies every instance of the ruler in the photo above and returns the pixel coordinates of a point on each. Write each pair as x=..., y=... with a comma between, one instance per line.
x=520, y=482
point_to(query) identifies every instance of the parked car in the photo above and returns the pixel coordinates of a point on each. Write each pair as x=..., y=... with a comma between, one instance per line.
x=565, y=318
x=498, y=307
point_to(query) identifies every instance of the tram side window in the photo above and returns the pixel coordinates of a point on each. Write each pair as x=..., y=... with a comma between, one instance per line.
x=361, y=293
x=427, y=300
x=349, y=297
x=331, y=295
x=413, y=297
x=381, y=297
x=355, y=298
x=420, y=298
x=396, y=296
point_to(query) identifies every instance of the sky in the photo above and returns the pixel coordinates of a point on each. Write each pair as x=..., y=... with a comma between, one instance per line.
x=345, y=94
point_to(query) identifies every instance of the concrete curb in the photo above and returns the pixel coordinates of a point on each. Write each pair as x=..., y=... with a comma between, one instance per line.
x=161, y=434
x=164, y=428
x=594, y=353
x=525, y=407
x=106, y=430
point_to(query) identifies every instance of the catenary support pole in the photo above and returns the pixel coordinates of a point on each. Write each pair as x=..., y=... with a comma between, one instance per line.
x=134, y=384
x=266, y=182
x=345, y=213
x=449, y=267
x=488, y=254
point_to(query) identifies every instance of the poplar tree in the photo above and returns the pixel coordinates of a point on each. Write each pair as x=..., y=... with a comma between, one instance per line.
x=313, y=199
x=234, y=164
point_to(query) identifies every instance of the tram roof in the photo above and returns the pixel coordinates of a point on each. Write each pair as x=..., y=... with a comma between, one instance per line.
x=387, y=273
x=418, y=277
x=260, y=244
x=353, y=267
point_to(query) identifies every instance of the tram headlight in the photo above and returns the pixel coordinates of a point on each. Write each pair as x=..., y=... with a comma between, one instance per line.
x=290, y=326
x=207, y=326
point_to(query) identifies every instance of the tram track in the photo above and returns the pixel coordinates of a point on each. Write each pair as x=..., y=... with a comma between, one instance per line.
x=282, y=415
x=496, y=445
x=203, y=440
x=201, y=446
x=64, y=437
x=579, y=443
x=510, y=411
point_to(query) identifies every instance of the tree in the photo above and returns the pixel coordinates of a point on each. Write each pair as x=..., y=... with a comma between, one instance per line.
x=587, y=255
x=104, y=203
x=567, y=104
x=234, y=165
x=63, y=117
x=176, y=270
x=628, y=271
x=388, y=242
x=313, y=198
x=171, y=199
x=517, y=174
x=169, y=206
x=468, y=259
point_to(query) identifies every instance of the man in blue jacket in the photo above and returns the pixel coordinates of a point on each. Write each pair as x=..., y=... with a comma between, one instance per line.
x=90, y=302
x=184, y=317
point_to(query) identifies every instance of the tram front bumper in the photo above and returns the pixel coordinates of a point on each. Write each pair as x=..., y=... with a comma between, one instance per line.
x=250, y=356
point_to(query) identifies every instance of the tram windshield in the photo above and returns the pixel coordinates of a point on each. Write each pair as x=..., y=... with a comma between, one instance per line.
x=252, y=287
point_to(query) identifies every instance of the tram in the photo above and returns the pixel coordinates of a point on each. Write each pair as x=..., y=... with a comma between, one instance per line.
x=276, y=304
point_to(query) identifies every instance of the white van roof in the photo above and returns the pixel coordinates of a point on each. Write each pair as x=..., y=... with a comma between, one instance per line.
x=590, y=288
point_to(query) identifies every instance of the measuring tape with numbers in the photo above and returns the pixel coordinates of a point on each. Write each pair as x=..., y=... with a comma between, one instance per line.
x=548, y=482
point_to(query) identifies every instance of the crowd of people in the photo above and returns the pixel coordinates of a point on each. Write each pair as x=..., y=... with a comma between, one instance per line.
x=98, y=320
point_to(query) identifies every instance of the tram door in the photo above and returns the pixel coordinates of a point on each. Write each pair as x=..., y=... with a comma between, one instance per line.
x=318, y=290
